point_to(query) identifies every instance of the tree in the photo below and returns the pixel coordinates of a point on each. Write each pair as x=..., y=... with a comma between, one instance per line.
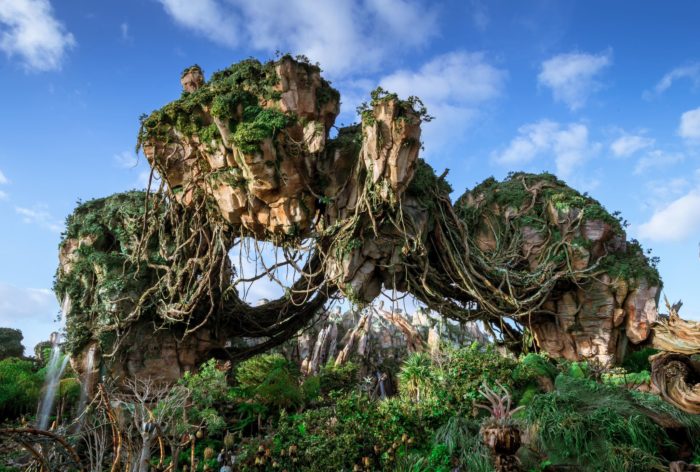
x=40, y=351
x=151, y=409
x=20, y=387
x=11, y=343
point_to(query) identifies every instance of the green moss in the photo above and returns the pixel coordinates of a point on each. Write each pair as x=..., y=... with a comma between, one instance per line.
x=528, y=200
x=425, y=185
x=103, y=272
x=209, y=133
x=632, y=264
x=326, y=94
x=411, y=109
x=238, y=86
x=257, y=125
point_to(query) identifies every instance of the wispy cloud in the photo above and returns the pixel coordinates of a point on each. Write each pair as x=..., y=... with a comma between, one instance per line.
x=572, y=77
x=568, y=144
x=3, y=181
x=124, y=29
x=28, y=29
x=675, y=221
x=688, y=71
x=479, y=15
x=689, y=128
x=31, y=310
x=629, y=144
x=40, y=216
x=126, y=159
x=663, y=191
x=658, y=159
x=333, y=33
x=206, y=18
x=452, y=86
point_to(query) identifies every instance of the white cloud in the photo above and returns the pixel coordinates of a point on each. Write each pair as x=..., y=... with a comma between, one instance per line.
x=399, y=16
x=571, y=77
x=480, y=15
x=568, y=144
x=629, y=144
x=664, y=190
x=458, y=77
x=31, y=310
x=29, y=29
x=657, y=159
x=206, y=18
x=40, y=216
x=690, y=125
x=124, y=28
x=126, y=159
x=676, y=221
x=452, y=86
x=336, y=34
x=3, y=181
x=689, y=71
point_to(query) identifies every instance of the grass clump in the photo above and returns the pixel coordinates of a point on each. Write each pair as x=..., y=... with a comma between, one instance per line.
x=598, y=427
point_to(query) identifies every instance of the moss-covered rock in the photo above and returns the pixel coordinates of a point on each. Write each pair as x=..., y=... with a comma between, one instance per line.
x=533, y=227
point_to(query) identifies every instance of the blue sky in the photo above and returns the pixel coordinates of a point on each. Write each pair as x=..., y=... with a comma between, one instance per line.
x=604, y=94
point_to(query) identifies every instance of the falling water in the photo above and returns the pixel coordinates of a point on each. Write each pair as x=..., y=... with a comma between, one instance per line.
x=87, y=380
x=54, y=372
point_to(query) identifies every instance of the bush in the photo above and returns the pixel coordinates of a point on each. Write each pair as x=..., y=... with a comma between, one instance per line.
x=20, y=387
x=11, y=343
x=595, y=427
x=638, y=361
x=337, y=379
x=354, y=431
x=271, y=380
x=208, y=389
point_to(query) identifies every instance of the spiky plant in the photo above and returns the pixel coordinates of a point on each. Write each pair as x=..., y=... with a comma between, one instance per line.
x=499, y=405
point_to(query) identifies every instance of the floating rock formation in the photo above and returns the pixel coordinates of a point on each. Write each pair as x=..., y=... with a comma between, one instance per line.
x=249, y=154
x=530, y=226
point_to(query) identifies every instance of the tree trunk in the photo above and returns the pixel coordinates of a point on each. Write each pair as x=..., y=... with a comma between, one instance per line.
x=145, y=458
x=175, y=451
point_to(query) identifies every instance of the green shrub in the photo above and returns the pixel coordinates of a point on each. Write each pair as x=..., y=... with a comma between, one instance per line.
x=595, y=427
x=20, y=387
x=271, y=380
x=462, y=443
x=638, y=361
x=340, y=378
x=338, y=437
x=209, y=390
x=11, y=343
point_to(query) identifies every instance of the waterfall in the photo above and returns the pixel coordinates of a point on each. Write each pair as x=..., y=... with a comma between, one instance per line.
x=54, y=372
x=382, y=388
x=87, y=380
